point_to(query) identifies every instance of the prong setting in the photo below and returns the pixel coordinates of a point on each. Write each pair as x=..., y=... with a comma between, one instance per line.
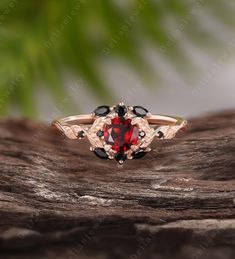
x=108, y=120
x=92, y=149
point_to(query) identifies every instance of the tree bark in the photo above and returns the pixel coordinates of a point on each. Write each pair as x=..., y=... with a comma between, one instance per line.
x=57, y=200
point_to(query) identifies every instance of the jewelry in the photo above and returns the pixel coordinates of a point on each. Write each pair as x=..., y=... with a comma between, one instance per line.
x=120, y=132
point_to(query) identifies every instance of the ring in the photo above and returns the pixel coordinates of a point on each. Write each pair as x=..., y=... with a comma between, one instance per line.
x=120, y=132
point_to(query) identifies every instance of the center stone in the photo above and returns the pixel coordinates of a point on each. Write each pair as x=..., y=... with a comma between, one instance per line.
x=120, y=134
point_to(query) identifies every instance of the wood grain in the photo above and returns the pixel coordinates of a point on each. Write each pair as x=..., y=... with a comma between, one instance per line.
x=57, y=200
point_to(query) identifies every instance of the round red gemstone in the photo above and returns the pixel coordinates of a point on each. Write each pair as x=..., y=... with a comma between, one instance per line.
x=120, y=134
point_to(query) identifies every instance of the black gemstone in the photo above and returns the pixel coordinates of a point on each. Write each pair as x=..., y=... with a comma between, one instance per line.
x=102, y=111
x=120, y=156
x=139, y=154
x=121, y=110
x=160, y=134
x=100, y=152
x=81, y=134
x=100, y=133
x=142, y=134
x=140, y=111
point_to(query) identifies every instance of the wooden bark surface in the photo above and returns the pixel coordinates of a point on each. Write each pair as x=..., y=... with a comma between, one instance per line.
x=57, y=200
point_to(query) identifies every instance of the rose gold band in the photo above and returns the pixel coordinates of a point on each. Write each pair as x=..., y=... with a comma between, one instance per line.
x=89, y=119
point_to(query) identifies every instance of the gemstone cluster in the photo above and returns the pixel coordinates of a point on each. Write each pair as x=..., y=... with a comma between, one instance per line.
x=120, y=132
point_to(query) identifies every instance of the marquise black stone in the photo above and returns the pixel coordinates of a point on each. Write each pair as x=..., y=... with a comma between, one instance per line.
x=120, y=156
x=140, y=111
x=102, y=111
x=100, y=152
x=139, y=154
x=121, y=110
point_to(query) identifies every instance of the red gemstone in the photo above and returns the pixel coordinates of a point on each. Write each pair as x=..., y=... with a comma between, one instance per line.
x=121, y=134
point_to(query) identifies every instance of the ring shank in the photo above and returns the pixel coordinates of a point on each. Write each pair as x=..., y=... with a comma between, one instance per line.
x=164, y=120
x=167, y=125
x=77, y=119
x=89, y=119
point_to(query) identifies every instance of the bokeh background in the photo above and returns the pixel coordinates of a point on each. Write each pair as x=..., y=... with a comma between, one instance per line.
x=67, y=57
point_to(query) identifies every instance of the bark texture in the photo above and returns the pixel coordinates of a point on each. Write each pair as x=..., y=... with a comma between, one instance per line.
x=57, y=200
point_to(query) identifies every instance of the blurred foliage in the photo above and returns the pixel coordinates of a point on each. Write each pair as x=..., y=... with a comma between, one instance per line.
x=41, y=41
